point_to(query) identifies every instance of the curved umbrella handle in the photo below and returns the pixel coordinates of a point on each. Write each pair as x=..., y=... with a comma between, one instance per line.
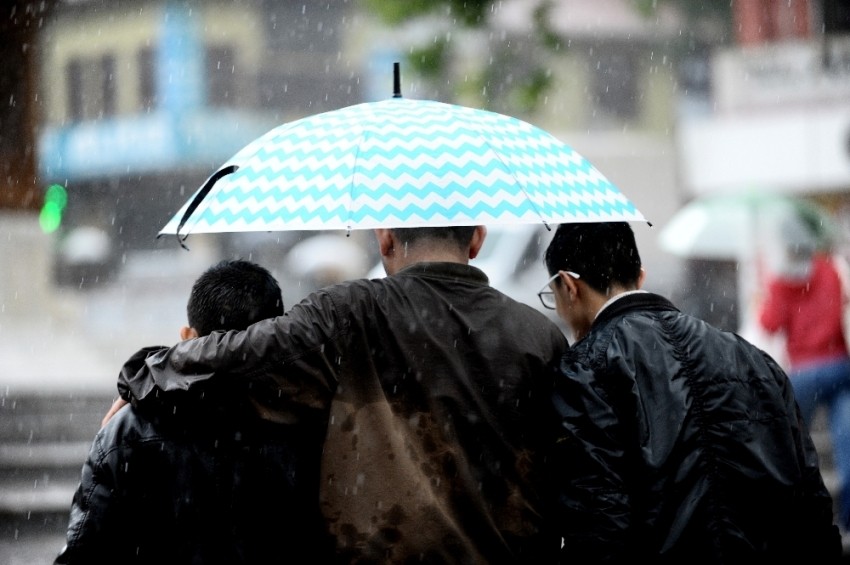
x=196, y=201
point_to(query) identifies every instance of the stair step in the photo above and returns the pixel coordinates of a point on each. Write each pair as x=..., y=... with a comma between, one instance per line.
x=23, y=498
x=40, y=478
x=59, y=417
x=44, y=454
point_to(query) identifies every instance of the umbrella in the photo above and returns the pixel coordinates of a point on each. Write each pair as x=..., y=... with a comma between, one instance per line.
x=401, y=163
x=740, y=225
x=765, y=233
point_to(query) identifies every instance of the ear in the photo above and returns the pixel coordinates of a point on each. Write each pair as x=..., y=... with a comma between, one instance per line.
x=385, y=241
x=478, y=237
x=188, y=333
x=570, y=285
x=641, y=277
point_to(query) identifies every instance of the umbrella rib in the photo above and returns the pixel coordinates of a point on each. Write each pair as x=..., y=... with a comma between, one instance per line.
x=358, y=145
x=519, y=182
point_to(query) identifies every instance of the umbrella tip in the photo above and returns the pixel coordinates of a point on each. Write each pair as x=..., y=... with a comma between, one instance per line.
x=396, y=80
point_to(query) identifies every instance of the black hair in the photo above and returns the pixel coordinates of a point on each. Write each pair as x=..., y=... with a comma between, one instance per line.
x=232, y=295
x=601, y=253
x=457, y=236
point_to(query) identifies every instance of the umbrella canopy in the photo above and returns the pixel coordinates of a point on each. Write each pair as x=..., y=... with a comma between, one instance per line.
x=738, y=226
x=401, y=163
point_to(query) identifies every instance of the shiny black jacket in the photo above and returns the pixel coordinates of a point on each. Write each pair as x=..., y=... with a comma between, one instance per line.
x=681, y=443
x=433, y=388
x=209, y=484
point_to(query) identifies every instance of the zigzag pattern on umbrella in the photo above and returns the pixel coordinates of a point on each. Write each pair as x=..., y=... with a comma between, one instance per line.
x=232, y=206
x=264, y=213
x=405, y=162
x=406, y=130
x=516, y=202
x=294, y=165
x=306, y=191
x=340, y=218
x=425, y=124
x=507, y=200
x=412, y=183
x=387, y=153
x=408, y=138
x=395, y=112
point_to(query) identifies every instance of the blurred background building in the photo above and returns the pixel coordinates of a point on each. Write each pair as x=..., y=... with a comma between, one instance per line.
x=137, y=107
x=114, y=113
x=141, y=105
x=777, y=122
x=127, y=111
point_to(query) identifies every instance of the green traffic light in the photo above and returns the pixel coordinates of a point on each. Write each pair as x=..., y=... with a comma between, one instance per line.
x=56, y=193
x=50, y=218
x=55, y=199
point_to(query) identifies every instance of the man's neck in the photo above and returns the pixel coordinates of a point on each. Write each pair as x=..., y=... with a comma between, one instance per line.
x=616, y=297
x=413, y=256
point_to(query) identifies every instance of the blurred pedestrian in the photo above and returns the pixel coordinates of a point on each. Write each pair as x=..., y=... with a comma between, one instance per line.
x=804, y=302
x=678, y=442
x=432, y=384
x=210, y=482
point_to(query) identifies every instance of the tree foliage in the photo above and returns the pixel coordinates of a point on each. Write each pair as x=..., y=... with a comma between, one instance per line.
x=469, y=13
x=704, y=22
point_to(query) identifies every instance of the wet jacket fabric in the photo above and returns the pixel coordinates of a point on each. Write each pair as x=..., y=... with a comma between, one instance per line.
x=432, y=385
x=683, y=444
x=205, y=487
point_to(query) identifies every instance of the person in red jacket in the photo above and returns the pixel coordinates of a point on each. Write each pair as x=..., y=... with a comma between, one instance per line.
x=805, y=304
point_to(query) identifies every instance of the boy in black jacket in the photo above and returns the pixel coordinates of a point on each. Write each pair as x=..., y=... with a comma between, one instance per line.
x=211, y=482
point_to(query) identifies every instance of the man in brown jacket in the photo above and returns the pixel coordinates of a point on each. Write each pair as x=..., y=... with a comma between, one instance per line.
x=434, y=386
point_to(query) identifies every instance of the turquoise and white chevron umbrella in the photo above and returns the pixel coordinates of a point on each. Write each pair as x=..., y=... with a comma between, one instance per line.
x=401, y=163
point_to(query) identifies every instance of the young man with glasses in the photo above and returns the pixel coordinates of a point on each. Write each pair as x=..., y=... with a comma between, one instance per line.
x=678, y=442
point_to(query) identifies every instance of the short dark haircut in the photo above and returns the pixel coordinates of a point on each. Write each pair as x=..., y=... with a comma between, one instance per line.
x=232, y=295
x=456, y=236
x=602, y=253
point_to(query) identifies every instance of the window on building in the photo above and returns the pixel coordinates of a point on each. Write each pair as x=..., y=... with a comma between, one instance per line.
x=147, y=78
x=836, y=17
x=220, y=74
x=615, y=85
x=74, y=82
x=91, y=84
x=107, y=89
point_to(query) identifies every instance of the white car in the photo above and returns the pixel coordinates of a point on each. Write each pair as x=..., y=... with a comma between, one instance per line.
x=512, y=258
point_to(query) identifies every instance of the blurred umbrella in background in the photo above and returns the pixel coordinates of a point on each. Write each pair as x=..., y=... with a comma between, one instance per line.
x=743, y=225
x=401, y=163
x=760, y=234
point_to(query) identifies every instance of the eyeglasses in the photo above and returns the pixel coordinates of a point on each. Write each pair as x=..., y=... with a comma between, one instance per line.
x=547, y=295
